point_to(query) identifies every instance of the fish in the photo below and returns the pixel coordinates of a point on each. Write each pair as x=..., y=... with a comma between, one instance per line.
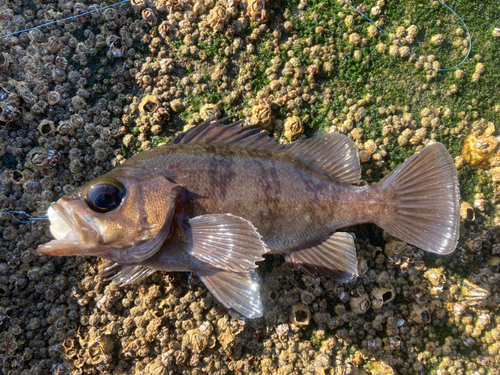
x=218, y=197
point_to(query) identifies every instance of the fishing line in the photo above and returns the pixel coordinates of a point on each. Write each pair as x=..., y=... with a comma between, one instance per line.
x=411, y=54
x=345, y=1
x=65, y=19
x=28, y=218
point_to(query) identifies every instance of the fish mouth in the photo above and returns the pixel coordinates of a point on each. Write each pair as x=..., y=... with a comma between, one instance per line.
x=70, y=232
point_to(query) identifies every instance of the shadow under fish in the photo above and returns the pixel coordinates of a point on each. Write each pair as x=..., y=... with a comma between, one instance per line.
x=218, y=197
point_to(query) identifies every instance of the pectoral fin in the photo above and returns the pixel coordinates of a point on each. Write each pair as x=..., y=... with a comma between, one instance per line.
x=237, y=290
x=335, y=258
x=229, y=246
x=225, y=241
x=122, y=274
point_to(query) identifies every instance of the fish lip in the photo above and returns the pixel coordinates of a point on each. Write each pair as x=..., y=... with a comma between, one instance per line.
x=74, y=241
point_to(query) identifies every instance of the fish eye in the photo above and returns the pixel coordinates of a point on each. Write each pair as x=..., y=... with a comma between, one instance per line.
x=105, y=195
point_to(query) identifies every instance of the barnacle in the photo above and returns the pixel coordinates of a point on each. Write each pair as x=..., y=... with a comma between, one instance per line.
x=8, y=112
x=261, y=116
x=194, y=340
x=209, y=111
x=420, y=314
x=65, y=128
x=78, y=102
x=293, y=128
x=473, y=294
x=149, y=16
x=218, y=15
x=395, y=248
x=382, y=296
x=53, y=97
x=4, y=61
x=301, y=315
x=149, y=105
x=436, y=277
x=46, y=128
x=165, y=29
x=360, y=304
x=256, y=10
x=99, y=349
x=479, y=148
x=116, y=46
x=37, y=158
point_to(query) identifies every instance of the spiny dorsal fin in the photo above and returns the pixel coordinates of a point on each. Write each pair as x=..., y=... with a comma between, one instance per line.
x=335, y=258
x=333, y=153
x=122, y=274
x=214, y=131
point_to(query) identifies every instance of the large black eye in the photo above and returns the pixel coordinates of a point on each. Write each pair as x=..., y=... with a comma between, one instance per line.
x=105, y=195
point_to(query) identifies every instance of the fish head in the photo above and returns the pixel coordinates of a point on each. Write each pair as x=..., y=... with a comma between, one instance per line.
x=124, y=216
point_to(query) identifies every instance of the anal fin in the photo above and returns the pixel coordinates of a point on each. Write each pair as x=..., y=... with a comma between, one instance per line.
x=237, y=290
x=123, y=274
x=335, y=258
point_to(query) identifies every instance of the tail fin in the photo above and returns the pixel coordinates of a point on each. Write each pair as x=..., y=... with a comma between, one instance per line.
x=425, y=206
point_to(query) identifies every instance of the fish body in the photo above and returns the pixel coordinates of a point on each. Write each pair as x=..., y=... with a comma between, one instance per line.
x=218, y=197
x=287, y=201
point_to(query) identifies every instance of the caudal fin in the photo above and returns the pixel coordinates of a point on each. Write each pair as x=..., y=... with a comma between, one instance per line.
x=424, y=201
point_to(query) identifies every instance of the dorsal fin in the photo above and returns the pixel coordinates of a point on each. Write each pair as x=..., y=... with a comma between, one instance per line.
x=214, y=131
x=333, y=153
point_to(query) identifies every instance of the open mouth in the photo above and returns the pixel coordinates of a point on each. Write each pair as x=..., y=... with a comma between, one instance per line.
x=67, y=241
x=59, y=228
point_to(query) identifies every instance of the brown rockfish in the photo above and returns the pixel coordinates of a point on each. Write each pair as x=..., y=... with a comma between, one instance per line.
x=218, y=197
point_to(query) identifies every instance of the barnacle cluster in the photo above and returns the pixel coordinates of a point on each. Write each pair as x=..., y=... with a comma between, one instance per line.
x=79, y=96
